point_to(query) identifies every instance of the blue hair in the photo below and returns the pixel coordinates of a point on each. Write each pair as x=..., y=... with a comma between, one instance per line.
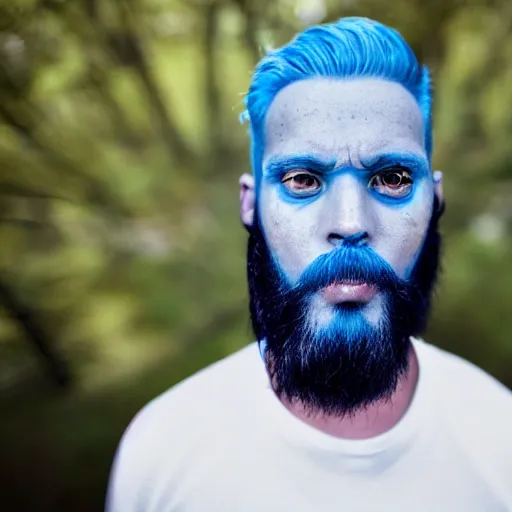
x=348, y=48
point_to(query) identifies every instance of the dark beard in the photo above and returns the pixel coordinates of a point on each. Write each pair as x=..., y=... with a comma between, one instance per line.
x=349, y=365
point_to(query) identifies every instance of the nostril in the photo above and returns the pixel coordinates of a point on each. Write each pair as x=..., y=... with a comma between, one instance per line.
x=335, y=239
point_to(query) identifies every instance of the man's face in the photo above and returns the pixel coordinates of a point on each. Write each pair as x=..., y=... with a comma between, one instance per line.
x=339, y=266
x=326, y=139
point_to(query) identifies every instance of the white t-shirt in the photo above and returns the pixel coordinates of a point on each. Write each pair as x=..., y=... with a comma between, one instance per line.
x=222, y=442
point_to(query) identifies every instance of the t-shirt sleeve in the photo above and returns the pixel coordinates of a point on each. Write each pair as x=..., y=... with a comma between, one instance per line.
x=135, y=461
x=125, y=489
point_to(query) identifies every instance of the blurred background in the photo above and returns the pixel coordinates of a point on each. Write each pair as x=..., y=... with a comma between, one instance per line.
x=122, y=258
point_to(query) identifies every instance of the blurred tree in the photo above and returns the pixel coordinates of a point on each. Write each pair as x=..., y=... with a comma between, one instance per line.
x=29, y=324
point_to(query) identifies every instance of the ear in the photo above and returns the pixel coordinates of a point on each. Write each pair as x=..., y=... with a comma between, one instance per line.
x=247, y=199
x=438, y=189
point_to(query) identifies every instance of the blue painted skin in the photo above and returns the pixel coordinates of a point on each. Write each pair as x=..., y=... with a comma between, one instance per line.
x=344, y=133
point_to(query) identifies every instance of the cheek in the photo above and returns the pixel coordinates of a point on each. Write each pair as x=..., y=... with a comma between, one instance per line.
x=402, y=232
x=289, y=231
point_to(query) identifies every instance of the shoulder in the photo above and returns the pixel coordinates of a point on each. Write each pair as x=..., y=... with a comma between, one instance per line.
x=465, y=385
x=170, y=432
x=476, y=409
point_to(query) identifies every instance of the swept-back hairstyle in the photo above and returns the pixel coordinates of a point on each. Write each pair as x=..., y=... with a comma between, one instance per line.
x=348, y=48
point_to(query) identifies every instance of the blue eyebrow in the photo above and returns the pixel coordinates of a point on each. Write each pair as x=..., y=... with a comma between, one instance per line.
x=281, y=164
x=277, y=166
x=414, y=161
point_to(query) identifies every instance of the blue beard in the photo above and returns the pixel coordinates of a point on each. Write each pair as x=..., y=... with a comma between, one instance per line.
x=347, y=363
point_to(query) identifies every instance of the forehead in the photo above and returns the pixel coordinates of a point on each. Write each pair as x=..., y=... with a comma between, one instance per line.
x=343, y=119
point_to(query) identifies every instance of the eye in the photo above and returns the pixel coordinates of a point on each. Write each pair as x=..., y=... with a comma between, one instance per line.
x=393, y=182
x=301, y=183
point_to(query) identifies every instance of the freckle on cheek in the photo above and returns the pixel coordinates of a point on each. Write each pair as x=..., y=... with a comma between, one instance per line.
x=276, y=223
x=411, y=221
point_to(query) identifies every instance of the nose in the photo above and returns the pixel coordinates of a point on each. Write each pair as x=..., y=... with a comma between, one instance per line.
x=346, y=212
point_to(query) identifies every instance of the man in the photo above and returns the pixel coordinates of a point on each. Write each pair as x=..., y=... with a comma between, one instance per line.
x=338, y=407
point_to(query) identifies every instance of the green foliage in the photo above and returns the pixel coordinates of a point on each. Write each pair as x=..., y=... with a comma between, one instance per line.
x=122, y=257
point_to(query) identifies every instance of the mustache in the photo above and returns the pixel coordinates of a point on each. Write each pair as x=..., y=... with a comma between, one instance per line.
x=349, y=263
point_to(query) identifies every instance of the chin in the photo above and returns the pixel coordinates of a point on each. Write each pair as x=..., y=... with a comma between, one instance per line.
x=324, y=315
x=348, y=329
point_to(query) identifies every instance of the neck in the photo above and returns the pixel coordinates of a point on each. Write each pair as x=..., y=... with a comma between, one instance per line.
x=375, y=419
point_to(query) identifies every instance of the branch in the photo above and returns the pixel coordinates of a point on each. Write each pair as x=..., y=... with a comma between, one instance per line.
x=95, y=193
x=251, y=24
x=28, y=322
x=129, y=50
x=212, y=91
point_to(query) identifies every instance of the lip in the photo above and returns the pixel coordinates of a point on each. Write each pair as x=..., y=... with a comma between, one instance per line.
x=346, y=291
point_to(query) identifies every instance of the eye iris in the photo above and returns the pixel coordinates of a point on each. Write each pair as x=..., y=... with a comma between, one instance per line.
x=304, y=181
x=394, y=183
x=392, y=179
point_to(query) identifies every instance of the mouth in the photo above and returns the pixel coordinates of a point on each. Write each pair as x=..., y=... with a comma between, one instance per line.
x=349, y=293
